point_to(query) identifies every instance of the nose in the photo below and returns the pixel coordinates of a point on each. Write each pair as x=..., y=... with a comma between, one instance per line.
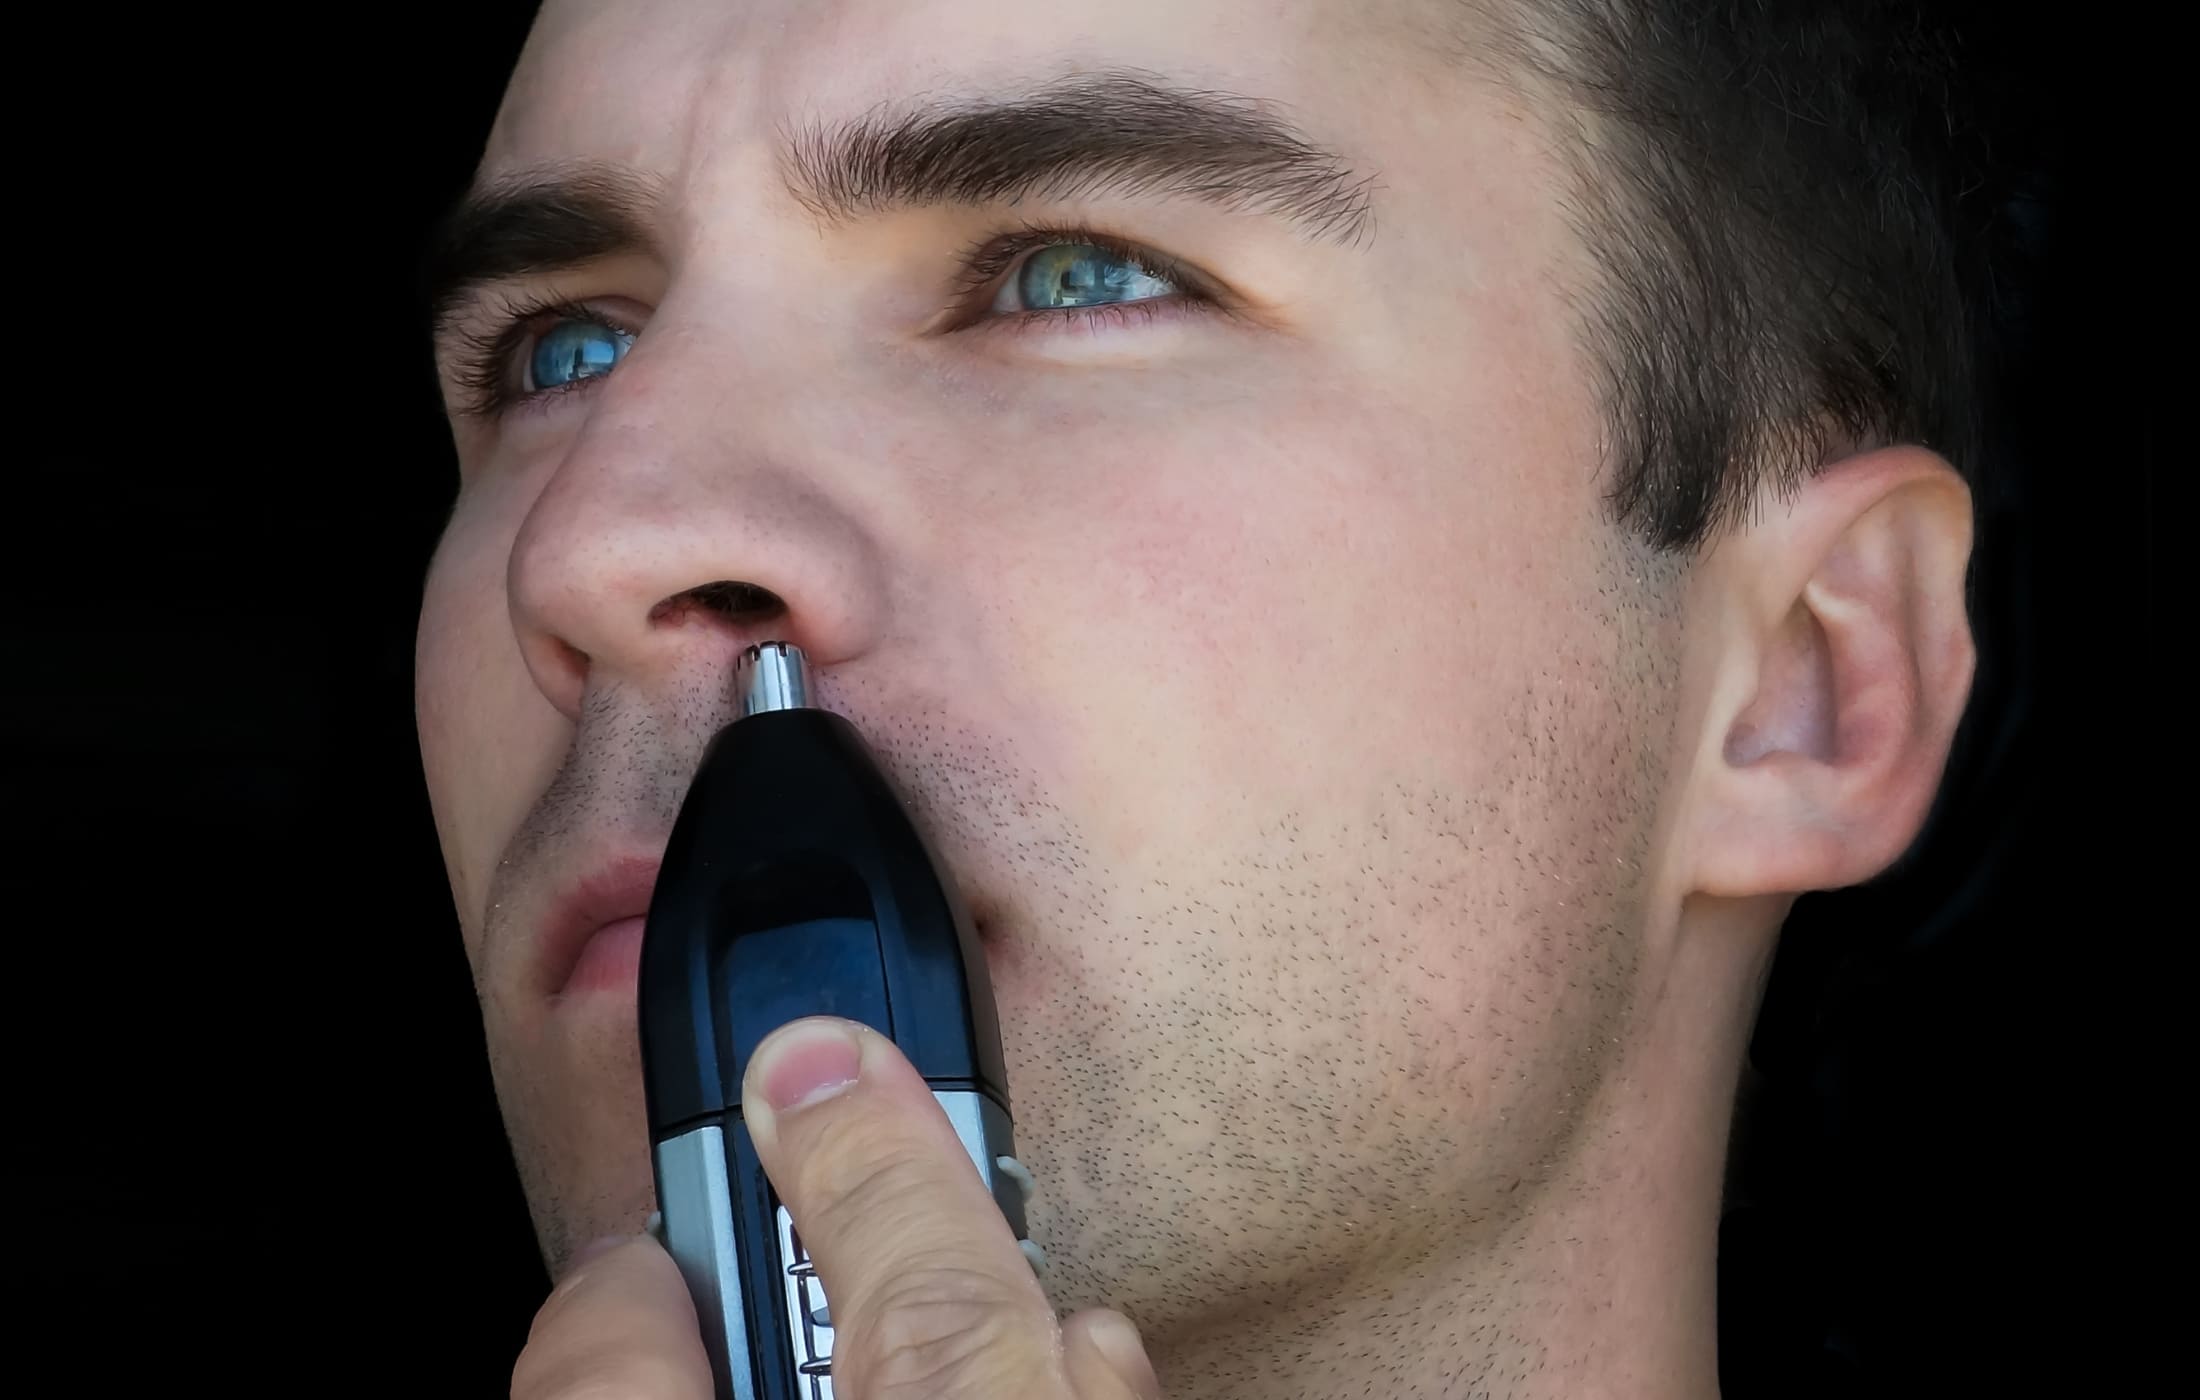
x=677, y=529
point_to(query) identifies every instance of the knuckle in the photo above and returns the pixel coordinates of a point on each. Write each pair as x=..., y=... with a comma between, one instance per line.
x=851, y=1181
x=923, y=1317
x=940, y=1330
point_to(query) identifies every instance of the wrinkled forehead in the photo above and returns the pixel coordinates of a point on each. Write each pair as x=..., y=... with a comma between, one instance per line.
x=665, y=85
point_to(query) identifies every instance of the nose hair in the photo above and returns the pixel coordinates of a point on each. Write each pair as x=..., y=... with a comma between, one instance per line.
x=709, y=624
x=739, y=604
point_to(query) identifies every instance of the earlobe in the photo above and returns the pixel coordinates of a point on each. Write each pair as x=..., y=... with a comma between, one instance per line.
x=1849, y=659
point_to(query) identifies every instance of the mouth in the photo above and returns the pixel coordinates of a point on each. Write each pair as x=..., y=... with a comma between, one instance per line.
x=591, y=943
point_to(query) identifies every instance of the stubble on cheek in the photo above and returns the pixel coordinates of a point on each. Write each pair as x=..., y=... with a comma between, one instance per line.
x=568, y=1077
x=1329, y=1044
x=573, y=1113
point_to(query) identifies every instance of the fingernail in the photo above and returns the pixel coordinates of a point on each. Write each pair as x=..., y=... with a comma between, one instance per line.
x=806, y=1062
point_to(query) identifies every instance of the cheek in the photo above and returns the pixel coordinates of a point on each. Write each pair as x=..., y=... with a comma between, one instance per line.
x=488, y=739
x=1267, y=605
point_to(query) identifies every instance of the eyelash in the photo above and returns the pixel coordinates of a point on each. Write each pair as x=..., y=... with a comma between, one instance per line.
x=485, y=360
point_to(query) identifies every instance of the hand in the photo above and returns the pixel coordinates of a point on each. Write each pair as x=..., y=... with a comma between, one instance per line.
x=930, y=1295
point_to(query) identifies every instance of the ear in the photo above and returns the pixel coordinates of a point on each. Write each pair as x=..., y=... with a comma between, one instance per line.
x=1842, y=665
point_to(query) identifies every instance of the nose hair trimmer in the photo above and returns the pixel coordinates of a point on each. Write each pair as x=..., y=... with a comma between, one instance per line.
x=796, y=884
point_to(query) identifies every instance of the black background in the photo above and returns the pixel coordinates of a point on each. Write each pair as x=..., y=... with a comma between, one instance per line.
x=254, y=1141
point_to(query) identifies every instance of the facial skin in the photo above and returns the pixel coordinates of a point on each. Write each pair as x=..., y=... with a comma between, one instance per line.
x=1376, y=853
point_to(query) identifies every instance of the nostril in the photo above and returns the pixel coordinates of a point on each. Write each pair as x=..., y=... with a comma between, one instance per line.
x=741, y=602
x=729, y=598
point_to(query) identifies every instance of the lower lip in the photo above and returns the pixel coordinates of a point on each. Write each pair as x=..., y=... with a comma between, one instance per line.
x=611, y=960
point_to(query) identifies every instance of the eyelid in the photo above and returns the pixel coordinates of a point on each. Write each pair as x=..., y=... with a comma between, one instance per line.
x=989, y=262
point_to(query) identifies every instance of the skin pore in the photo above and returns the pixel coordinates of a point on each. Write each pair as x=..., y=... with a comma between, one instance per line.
x=1374, y=892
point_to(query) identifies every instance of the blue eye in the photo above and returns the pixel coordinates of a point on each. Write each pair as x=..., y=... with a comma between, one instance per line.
x=575, y=350
x=1063, y=276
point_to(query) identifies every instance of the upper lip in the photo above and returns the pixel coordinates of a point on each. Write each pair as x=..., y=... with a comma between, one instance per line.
x=617, y=888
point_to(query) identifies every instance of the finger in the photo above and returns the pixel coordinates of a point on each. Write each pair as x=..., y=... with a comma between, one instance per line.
x=1105, y=1359
x=621, y=1323
x=928, y=1291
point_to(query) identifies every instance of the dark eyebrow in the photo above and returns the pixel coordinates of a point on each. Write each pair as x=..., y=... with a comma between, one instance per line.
x=528, y=222
x=1113, y=133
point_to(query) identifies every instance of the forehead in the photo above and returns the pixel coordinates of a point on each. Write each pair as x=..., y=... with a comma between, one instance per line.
x=667, y=85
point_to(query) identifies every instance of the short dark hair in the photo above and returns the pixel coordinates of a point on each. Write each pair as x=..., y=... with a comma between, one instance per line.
x=1768, y=192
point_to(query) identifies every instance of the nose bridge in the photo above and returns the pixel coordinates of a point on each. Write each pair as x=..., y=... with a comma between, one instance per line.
x=684, y=523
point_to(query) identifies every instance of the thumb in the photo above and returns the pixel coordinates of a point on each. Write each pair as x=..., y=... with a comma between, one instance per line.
x=928, y=1292
x=621, y=1322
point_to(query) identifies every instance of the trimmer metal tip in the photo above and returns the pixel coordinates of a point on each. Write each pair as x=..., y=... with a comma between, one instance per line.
x=772, y=676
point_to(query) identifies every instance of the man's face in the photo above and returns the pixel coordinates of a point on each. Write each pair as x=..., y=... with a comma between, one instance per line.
x=1231, y=597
